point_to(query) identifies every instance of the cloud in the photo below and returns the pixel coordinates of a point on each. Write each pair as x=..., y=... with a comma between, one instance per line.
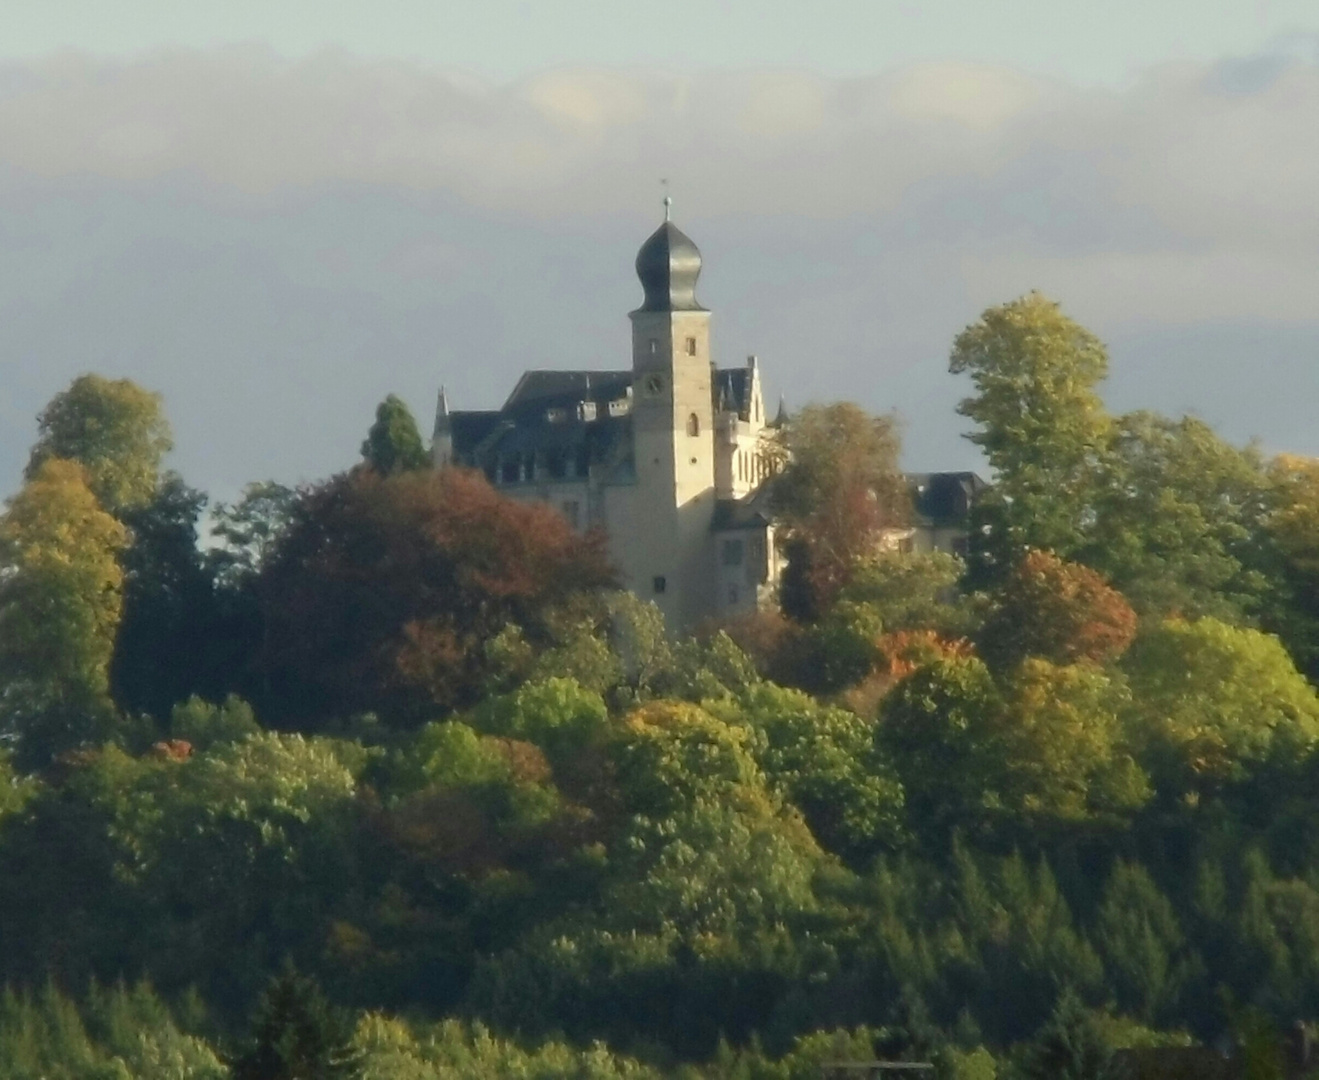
x=278, y=243
x=1208, y=164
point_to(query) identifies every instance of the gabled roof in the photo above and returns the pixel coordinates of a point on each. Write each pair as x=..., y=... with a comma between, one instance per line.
x=544, y=388
x=469, y=428
x=732, y=390
x=754, y=511
x=945, y=498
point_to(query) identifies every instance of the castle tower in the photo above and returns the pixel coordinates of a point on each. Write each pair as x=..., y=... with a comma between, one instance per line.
x=673, y=432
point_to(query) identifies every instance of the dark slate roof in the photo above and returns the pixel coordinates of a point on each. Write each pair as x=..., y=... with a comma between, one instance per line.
x=524, y=426
x=732, y=390
x=668, y=265
x=469, y=428
x=944, y=498
x=548, y=388
x=752, y=511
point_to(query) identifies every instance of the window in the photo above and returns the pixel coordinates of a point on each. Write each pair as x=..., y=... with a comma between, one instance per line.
x=654, y=346
x=733, y=552
x=906, y=545
x=572, y=511
x=691, y=346
x=693, y=424
x=661, y=583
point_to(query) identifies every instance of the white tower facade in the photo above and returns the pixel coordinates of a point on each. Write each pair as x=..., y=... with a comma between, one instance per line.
x=667, y=554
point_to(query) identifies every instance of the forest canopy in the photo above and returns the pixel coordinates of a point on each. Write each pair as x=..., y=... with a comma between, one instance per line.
x=385, y=776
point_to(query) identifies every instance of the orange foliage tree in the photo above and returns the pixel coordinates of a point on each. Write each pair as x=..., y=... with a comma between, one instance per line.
x=384, y=591
x=1057, y=610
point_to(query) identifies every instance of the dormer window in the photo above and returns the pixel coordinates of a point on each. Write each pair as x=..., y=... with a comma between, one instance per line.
x=555, y=416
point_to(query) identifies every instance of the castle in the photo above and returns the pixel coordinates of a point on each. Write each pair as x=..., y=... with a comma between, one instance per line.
x=668, y=457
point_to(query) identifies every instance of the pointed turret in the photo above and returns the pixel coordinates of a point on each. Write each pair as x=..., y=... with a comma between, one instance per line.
x=442, y=412
x=442, y=435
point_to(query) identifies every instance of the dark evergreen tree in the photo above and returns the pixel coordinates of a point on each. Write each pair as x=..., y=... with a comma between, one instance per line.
x=298, y=1035
x=1069, y=1046
x=166, y=633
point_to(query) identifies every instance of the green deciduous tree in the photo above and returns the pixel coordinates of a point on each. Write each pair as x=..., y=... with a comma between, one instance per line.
x=250, y=529
x=393, y=444
x=1038, y=419
x=1292, y=526
x=823, y=760
x=114, y=429
x=1210, y=701
x=1045, y=746
x=1177, y=519
x=60, y=602
x=912, y=591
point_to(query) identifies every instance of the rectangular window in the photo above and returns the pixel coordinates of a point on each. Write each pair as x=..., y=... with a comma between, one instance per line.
x=733, y=552
x=660, y=583
x=691, y=346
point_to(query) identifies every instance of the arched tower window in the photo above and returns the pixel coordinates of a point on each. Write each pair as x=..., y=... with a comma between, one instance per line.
x=693, y=424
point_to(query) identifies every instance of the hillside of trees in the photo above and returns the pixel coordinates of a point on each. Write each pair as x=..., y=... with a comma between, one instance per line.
x=386, y=777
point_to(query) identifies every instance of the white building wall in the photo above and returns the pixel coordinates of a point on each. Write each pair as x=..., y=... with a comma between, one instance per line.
x=673, y=431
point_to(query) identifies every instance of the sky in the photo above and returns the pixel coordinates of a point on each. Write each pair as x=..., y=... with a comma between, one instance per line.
x=275, y=214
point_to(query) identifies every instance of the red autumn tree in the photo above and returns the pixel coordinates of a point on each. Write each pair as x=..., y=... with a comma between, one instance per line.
x=1057, y=610
x=839, y=488
x=384, y=591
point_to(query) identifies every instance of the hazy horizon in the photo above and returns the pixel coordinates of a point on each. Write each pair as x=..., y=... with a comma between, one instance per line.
x=276, y=234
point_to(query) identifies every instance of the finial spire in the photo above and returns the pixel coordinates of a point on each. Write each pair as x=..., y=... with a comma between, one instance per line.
x=441, y=413
x=668, y=200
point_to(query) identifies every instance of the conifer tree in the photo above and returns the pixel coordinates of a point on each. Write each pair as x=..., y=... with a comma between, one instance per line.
x=393, y=444
x=298, y=1035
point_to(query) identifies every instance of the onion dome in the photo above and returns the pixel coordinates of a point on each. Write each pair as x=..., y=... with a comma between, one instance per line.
x=668, y=265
